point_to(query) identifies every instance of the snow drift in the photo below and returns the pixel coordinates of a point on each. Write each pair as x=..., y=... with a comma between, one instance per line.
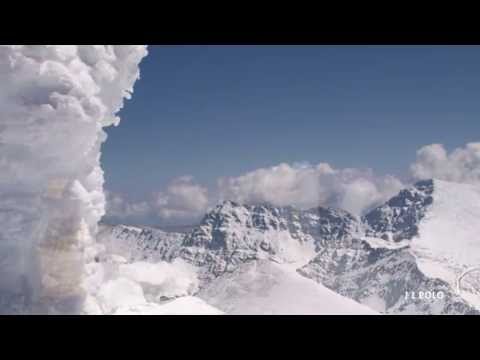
x=54, y=102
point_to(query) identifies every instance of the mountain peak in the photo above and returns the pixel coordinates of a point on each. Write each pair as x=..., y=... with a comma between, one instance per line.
x=399, y=217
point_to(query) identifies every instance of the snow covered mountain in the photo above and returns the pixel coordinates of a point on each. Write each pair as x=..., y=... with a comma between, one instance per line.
x=241, y=249
x=136, y=244
x=232, y=234
x=384, y=279
x=436, y=217
x=419, y=241
x=445, y=241
x=398, y=218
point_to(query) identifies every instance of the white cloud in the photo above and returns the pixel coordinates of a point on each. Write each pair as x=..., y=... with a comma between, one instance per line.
x=300, y=185
x=363, y=193
x=182, y=199
x=119, y=207
x=279, y=185
x=306, y=186
x=303, y=186
x=461, y=165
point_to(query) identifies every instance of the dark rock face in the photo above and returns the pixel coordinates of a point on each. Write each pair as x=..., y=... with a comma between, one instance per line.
x=398, y=218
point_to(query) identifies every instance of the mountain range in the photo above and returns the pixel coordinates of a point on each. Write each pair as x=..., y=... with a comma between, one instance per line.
x=262, y=259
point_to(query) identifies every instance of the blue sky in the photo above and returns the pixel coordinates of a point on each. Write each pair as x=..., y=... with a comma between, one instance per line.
x=213, y=111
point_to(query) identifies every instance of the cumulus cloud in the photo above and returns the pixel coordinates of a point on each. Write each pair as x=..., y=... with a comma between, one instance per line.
x=300, y=185
x=366, y=191
x=118, y=207
x=182, y=201
x=351, y=189
x=305, y=186
x=461, y=165
x=355, y=190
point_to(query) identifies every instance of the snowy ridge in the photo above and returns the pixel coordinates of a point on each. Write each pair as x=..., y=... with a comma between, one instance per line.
x=398, y=218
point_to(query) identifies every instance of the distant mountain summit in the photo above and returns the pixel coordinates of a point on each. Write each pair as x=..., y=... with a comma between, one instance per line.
x=376, y=260
x=399, y=217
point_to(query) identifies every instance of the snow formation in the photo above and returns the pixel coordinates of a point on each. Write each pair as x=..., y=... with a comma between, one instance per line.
x=55, y=101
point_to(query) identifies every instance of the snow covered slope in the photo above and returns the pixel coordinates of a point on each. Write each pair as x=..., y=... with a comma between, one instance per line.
x=440, y=217
x=451, y=226
x=268, y=288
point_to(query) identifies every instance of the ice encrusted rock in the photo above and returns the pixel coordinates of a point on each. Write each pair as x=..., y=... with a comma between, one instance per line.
x=55, y=101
